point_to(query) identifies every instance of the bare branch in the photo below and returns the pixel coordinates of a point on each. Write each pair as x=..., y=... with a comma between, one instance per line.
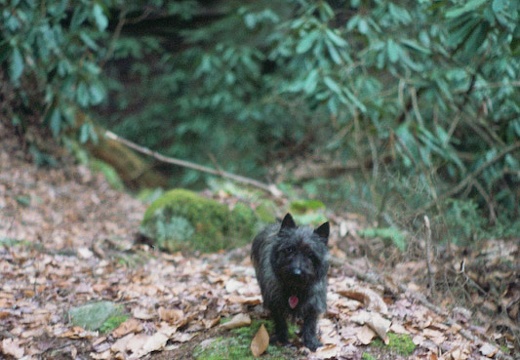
x=270, y=188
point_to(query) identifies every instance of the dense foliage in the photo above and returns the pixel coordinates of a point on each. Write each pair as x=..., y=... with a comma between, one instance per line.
x=422, y=96
x=51, y=54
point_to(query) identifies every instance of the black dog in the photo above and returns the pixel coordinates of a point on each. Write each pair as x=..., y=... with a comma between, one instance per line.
x=291, y=265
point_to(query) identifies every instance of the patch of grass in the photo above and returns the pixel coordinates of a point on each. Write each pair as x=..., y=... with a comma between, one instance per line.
x=236, y=343
x=400, y=344
x=367, y=356
x=112, y=323
x=9, y=242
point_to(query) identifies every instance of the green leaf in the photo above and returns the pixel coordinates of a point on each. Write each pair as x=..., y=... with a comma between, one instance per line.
x=467, y=7
x=336, y=39
x=311, y=81
x=16, y=65
x=332, y=85
x=88, y=40
x=84, y=132
x=99, y=17
x=55, y=121
x=362, y=26
x=355, y=100
x=78, y=18
x=306, y=42
x=475, y=40
x=24, y=200
x=82, y=94
x=333, y=52
x=460, y=30
x=393, y=51
x=97, y=92
x=415, y=46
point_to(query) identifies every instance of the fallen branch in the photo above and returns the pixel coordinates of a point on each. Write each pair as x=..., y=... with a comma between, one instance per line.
x=270, y=188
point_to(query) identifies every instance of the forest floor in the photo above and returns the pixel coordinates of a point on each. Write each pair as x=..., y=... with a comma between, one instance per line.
x=68, y=239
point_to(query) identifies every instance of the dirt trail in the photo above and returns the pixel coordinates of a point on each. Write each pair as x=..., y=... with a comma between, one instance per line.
x=67, y=238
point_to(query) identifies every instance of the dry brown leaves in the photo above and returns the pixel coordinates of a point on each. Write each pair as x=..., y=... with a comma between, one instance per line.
x=77, y=232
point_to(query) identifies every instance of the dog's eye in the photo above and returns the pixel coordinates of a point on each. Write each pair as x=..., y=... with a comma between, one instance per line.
x=288, y=251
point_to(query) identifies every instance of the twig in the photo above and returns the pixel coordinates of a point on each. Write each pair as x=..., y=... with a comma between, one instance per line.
x=117, y=33
x=468, y=179
x=431, y=279
x=492, y=213
x=270, y=188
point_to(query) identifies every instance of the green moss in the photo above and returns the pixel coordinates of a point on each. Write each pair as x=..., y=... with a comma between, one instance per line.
x=97, y=315
x=112, y=323
x=367, y=356
x=266, y=211
x=401, y=344
x=184, y=220
x=236, y=343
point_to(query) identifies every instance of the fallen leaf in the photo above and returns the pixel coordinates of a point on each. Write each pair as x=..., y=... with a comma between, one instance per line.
x=398, y=328
x=329, y=351
x=12, y=347
x=106, y=355
x=152, y=343
x=84, y=253
x=372, y=300
x=183, y=337
x=459, y=353
x=170, y=315
x=167, y=330
x=488, y=350
x=238, y=320
x=365, y=335
x=260, y=341
x=329, y=333
x=209, y=323
x=121, y=345
x=436, y=336
x=246, y=300
x=129, y=326
x=376, y=322
x=233, y=285
x=143, y=313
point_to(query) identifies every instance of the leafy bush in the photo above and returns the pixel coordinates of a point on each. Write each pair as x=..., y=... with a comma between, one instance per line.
x=427, y=91
x=416, y=94
x=52, y=54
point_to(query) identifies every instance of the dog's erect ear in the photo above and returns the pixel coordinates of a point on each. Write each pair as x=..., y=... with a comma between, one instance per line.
x=288, y=222
x=323, y=231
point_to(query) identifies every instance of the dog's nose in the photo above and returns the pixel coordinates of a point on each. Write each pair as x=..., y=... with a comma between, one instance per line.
x=297, y=271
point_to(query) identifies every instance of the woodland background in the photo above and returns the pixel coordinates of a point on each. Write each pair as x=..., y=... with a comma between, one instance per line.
x=393, y=109
x=402, y=117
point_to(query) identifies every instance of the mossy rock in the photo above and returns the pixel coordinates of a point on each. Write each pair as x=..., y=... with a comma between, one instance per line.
x=183, y=220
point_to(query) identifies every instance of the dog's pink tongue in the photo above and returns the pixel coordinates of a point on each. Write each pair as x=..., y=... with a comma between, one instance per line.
x=293, y=301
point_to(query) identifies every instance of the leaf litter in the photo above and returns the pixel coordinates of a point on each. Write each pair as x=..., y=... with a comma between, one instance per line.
x=71, y=243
